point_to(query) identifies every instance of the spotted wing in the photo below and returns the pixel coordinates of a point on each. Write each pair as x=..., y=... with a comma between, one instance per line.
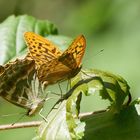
x=53, y=72
x=41, y=49
x=13, y=81
x=72, y=57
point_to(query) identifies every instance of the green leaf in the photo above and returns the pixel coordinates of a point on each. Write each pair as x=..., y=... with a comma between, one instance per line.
x=111, y=87
x=64, y=123
x=76, y=127
x=56, y=127
x=11, y=35
x=122, y=126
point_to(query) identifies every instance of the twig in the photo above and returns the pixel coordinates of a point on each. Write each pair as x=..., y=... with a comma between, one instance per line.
x=20, y=125
x=37, y=123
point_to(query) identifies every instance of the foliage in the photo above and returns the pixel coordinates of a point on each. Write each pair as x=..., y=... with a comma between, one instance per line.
x=64, y=122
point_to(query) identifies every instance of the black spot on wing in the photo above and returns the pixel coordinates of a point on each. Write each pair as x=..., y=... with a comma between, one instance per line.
x=39, y=47
x=40, y=44
x=47, y=44
x=53, y=50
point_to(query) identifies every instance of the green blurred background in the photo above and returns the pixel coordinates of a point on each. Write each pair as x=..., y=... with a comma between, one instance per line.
x=112, y=25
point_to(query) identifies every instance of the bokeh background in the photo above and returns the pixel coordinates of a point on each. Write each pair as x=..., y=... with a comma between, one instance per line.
x=110, y=25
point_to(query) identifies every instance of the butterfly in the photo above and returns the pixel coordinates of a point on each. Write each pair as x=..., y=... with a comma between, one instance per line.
x=52, y=64
x=20, y=86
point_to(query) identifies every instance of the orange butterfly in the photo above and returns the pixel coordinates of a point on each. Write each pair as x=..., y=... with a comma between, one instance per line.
x=52, y=64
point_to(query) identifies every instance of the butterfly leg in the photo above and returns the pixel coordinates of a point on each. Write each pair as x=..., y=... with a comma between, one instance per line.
x=54, y=106
x=42, y=115
x=23, y=115
x=61, y=92
x=83, y=72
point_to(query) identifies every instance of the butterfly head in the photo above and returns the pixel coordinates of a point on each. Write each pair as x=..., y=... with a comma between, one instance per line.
x=35, y=107
x=75, y=72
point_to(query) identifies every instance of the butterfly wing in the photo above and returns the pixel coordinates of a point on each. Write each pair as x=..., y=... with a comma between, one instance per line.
x=72, y=57
x=41, y=49
x=53, y=72
x=14, y=80
x=53, y=65
x=65, y=66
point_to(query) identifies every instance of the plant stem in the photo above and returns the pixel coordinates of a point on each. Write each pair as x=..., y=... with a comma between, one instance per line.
x=38, y=123
x=20, y=125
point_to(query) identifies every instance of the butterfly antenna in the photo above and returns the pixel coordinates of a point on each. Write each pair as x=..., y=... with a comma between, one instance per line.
x=19, y=118
x=54, y=107
x=57, y=102
x=95, y=54
x=99, y=52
